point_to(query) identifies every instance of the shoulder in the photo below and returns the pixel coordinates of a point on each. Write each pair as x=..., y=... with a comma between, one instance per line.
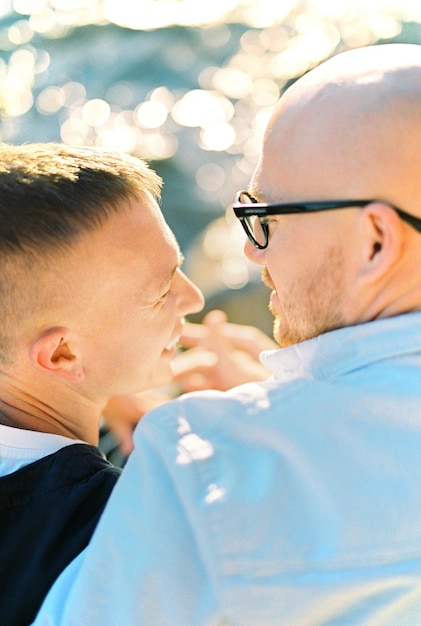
x=208, y=414
x=209, y=407
x=203, y=435
x=80, y=469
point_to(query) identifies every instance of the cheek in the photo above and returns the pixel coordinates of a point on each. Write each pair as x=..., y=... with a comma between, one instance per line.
x=152, y=333
x=294, y=279
x=280, y=264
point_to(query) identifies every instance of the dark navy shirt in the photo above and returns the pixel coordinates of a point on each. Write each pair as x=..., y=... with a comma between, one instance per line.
x=48, y=512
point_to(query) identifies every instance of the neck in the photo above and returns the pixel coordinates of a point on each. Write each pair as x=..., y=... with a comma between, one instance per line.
x=383, y=305
x=34, y=399
x=77, y=421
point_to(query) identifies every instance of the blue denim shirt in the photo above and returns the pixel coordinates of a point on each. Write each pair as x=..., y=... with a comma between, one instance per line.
x=296, y=501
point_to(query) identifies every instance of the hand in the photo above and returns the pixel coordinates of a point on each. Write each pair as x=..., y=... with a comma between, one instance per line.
x=122, y=413
x=221, y=355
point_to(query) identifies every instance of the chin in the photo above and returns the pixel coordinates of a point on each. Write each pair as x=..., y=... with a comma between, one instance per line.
x=163, y=374
x=284, y=336
x=278, y=335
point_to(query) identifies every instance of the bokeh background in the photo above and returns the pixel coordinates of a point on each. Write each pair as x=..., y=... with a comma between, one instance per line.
x=187, y=85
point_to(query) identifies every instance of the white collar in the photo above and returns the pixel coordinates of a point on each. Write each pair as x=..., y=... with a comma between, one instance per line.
x=346, y=349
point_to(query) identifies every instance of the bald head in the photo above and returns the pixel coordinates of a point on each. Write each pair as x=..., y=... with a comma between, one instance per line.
x=349, y=128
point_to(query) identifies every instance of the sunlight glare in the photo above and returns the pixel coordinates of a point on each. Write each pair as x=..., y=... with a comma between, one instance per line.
x=26, y=7
x=71, y=5
x=150, y=114
x=20, y=32
x=5, y=7
x=337, y=10
x=43, y=22
x=75, y=131
x=96, y=112
x=265, y=92
x=156, y=146
x=164, y=96
x=267, y=12
x=118, y=137
x=384, y=26
x=74, y=93
x=202, y=108
x=232, y=82
x=150, y=14
x=17, y=102
x=217, y=136
x=50, y=100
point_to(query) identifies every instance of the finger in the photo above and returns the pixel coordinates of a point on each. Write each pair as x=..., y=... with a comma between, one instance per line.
x=124, y=435
x=193, y=360
x=196, y=382
x=197, y=334
x=193, y=335
x=246, y=338
x=215, y=317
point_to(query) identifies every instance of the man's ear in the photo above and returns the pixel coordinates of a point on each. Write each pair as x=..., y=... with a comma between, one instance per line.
x=382, y=236
x=52, y=351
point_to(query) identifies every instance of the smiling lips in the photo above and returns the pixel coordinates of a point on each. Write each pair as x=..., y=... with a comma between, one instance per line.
x=172, y=344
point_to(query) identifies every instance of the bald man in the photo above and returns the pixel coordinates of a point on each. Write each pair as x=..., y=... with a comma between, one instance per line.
x=296, y=501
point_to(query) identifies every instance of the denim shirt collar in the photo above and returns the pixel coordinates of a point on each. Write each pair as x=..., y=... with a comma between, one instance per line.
x=340, y=351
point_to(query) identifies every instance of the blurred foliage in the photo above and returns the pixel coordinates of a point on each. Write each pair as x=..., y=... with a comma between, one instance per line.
x=185, y=84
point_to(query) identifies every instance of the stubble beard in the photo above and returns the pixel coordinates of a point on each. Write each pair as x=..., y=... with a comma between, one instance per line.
x=313, y=306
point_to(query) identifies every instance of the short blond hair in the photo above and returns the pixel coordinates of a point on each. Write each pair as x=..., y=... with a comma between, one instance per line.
x=51, y=195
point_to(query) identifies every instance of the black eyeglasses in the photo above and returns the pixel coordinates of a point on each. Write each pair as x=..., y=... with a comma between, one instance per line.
x=253, y=214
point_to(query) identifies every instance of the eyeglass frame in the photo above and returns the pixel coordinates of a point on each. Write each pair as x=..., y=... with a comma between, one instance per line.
x=261, y=210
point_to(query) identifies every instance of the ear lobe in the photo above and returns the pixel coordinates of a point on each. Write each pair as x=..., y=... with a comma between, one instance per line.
x=51, y=352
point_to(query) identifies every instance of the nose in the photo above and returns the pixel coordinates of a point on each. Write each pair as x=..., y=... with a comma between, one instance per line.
x=254, y=254
x=189, y=297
